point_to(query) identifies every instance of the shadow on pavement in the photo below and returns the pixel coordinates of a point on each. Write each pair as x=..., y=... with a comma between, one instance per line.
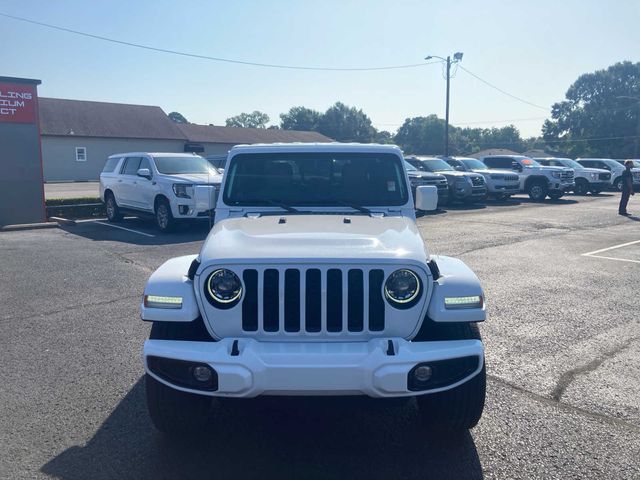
x=273, y=438
x=139, y=232
x=549, y=201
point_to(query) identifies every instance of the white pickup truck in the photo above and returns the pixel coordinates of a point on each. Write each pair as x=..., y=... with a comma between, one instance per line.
x=535, y=180
x=166, y=186
x=315, y=280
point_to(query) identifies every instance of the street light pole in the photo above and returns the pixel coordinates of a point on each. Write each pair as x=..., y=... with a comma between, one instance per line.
x=446, y=121
x=457, y=57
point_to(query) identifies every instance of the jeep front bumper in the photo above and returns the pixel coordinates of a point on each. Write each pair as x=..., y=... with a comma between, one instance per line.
x=252, y=368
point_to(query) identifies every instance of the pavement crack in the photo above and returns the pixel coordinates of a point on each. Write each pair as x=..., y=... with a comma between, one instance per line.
x=569, y=376
x=565, y=406
x=72, y=307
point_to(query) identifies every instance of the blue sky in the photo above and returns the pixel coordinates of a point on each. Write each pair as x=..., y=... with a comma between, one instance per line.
x=532, y=49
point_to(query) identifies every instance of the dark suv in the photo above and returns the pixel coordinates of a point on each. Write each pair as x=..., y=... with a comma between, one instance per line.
x=463, y=186
x=418, y=178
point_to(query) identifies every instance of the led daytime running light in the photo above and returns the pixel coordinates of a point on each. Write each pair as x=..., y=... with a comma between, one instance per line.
x=473, y=301
x=159, y=301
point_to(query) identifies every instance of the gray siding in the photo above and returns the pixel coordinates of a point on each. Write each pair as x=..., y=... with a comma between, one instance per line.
x=59, y=154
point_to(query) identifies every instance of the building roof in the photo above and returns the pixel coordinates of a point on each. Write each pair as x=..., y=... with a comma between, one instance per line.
x=235, y=135
x=493, y=151
x=62, y=117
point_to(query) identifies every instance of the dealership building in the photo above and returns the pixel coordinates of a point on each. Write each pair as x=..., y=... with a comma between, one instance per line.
x=77, y=136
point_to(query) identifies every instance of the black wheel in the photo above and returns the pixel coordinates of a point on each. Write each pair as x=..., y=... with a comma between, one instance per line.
x=618, y=184
x=111, y=207
x=537, y=191
x=582, y=187
x=174, y=412
x=164, y=218
x=459, y=408
x=556, y=195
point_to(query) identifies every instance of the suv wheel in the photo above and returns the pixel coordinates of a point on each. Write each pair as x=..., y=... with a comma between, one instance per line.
x=618, y=184
x=111, y=207
x=556, y=195
x=582, y=187
x=164, y=218
x=459, y=408
x=174, y=412
x=537, y=191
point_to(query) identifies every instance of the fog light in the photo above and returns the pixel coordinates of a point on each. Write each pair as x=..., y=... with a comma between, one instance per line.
x=202, y=373
x=422, y=373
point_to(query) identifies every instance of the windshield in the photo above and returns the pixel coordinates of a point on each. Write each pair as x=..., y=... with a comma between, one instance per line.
x=316, y=179
x=567, y=162
x=529, y=162
x=178, y=165
x=436, y=165
x=474, y=164
x=409, y=167
x=612, y=163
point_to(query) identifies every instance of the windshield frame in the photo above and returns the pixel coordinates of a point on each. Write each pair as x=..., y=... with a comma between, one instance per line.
x=208, y=170
x=322, y=204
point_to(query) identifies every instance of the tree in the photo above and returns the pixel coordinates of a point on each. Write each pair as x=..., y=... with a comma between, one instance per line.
x=300, y=118
x=346, y=124
x=254, y=119
x=599, y=105
x=178, y=117
x=422, y=135
x=383, y=136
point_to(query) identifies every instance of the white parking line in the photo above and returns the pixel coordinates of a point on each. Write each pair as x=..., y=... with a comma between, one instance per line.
x=611, y=248
x=127, y=229
x=593, y=254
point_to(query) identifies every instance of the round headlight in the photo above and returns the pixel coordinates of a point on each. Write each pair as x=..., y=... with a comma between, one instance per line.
x=402, y=286
x=224, y=286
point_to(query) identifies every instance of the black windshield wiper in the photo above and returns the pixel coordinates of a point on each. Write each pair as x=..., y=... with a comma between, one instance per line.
x=270, y=201
x=360, y=208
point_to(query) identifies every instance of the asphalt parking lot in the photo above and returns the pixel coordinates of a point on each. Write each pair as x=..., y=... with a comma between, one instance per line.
x=562, y=282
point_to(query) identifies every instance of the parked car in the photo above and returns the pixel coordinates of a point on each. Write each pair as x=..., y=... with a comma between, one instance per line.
x=614, y=167
x=635, y=161
x=593, y=180
x=501, y=184
x=314, y=284
x=463, y=186
x=418, y=178
x=535, y=180
x=167, y=186
x=218, y=161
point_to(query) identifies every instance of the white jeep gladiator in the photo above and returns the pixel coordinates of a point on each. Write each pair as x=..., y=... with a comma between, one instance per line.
x=314, y=280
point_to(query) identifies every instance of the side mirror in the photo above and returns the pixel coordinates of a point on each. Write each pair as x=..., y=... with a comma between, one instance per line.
x=426, y=198
x=144, y=172
x=516, y=166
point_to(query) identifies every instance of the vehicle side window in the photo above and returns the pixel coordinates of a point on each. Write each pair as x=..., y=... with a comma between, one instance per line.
x=131, y=166
x=110, y=165
x=145, y=163
x=499, y=162
x=587, y=163
x=601, y=165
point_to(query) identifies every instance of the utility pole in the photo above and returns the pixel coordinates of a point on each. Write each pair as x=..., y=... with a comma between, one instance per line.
x=457, y=57
x=446, y=120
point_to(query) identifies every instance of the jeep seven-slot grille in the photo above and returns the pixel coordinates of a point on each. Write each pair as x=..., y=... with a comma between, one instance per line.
x=313, y=300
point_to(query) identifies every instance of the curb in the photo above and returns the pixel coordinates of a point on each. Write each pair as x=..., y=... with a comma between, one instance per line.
x=28, y=226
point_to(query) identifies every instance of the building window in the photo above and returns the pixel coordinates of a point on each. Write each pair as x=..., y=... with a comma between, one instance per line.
x=81, y=154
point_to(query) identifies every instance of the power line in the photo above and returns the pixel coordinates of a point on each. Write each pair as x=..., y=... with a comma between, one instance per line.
x=503, y=91
x=216, y=59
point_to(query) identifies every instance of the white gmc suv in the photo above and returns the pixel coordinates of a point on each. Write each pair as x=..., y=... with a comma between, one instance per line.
x=167, y=186
x=536, y=180
x=314, y=280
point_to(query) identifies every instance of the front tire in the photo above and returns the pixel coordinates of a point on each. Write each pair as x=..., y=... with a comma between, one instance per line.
x=582, y=187
x=556, y=195
x=164, y=218
x=537, y=191
x=174, y=412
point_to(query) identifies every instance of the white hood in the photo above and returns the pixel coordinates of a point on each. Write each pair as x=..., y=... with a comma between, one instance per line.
x=308, y=237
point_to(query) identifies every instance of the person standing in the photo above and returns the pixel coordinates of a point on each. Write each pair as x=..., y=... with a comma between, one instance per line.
x=627, y=188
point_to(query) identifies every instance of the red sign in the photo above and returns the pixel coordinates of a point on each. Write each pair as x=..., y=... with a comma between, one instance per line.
x=17, y=103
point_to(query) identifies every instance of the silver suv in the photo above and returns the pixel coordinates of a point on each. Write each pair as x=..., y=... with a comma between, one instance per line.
x=167, y=186
x=501, y=184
